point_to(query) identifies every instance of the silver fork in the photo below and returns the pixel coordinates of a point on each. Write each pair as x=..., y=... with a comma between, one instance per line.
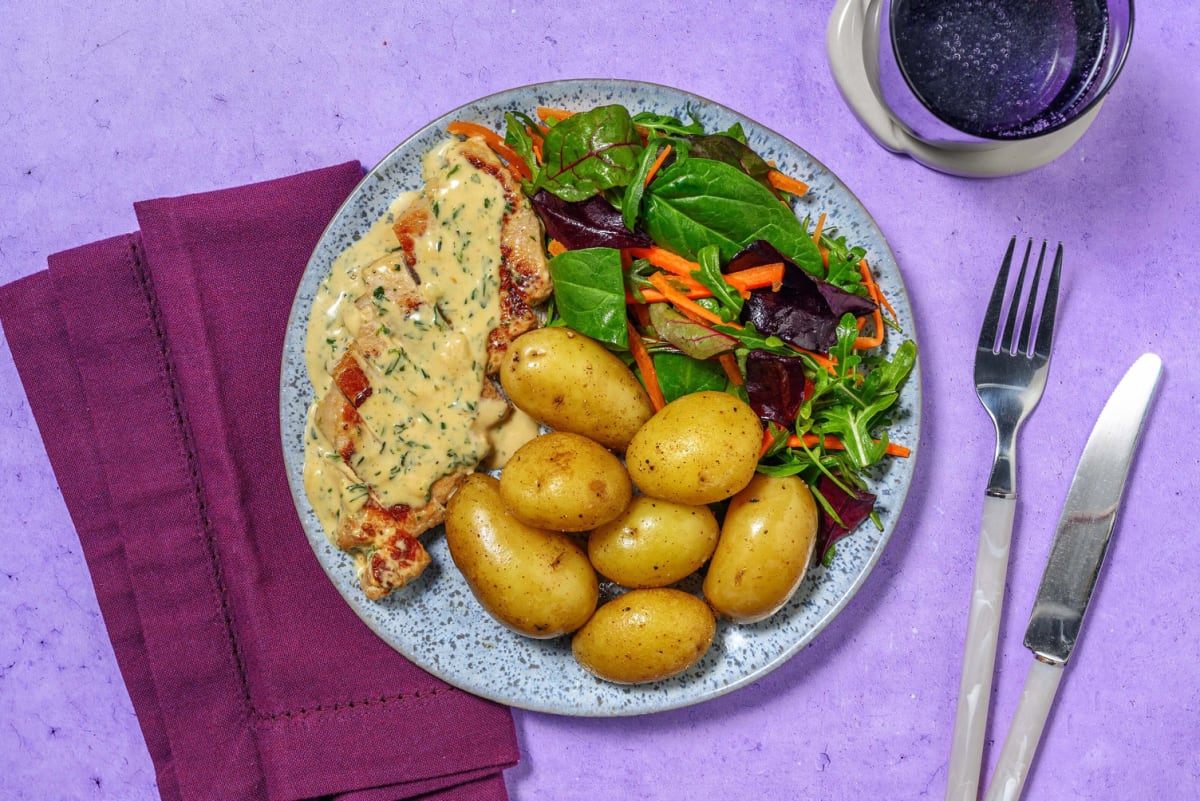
x=1011, y=363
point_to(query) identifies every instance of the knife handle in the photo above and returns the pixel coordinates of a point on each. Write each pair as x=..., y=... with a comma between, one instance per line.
x=979, y=653
x=1016, y=756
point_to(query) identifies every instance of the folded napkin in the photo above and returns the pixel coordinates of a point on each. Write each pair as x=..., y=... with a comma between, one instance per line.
x=151, y=362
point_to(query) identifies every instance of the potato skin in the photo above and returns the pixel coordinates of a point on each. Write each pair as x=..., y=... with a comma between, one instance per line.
x=700, y=448
x=569, y=382
x=645, y=635
x=538, y=583
x=565, y=482
x=654, y=543
x=766, y=545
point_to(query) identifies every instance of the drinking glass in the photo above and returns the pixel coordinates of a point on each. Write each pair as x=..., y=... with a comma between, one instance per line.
x=978, y=87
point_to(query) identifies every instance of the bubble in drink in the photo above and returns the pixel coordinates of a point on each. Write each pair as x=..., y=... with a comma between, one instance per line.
x=1001, y=69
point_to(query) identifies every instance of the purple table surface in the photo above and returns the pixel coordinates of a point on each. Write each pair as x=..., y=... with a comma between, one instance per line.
x=108, y=104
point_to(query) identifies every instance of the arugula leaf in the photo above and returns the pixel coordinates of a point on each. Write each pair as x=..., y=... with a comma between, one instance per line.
x=842, y=269
x=516, y=136
x=589, y=294
x=588, y=153
x=852, y=404
x=666, y=124
x=697, y=202
x=631, y=202
x=710, y=276
x=753, y=339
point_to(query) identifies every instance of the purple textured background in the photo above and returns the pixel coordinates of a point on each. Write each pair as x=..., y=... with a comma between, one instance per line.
x=103, y=107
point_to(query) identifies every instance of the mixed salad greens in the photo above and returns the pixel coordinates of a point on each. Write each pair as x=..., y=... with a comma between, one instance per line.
x=681, y=251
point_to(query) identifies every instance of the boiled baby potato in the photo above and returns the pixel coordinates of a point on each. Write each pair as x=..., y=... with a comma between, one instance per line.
x=766, y=545
x=572, y=383
x=700, y=448
x=645, y=635
x=538, y=583
x=654, y=543
x=565, y=482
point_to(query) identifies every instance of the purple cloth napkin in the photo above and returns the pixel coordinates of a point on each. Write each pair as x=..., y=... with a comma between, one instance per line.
x=151, y=362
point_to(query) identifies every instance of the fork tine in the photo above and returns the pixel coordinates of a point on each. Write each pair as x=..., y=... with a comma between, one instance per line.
x=1008, y=337
x=1045, y=336
x=991, y=316
x=1027, y=326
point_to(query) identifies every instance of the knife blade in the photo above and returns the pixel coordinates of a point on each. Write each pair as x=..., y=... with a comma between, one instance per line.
x=1076, y=555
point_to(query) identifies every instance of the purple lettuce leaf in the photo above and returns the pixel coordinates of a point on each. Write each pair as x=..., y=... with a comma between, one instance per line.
x=805, y=311
x=591, y=223
x=695, y=340
x=852, y=509
x=776, y=385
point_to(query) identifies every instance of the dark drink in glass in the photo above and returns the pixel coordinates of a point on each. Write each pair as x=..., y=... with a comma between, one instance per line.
x=1008, y=69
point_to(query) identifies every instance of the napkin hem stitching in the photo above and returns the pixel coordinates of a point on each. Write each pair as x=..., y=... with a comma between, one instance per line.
x=193, y=467
x=342, y=706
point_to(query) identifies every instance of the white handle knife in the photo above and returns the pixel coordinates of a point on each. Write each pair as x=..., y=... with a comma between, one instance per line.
x=1076, y=555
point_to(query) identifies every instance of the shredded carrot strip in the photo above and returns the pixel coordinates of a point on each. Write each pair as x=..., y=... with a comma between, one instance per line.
x=766, y=275
x=817, y=232
x=883, y=299
x=646, y=364
x=754, y=278
x=554, y=247
x=658, y=162
x=654, y=296
x=786, y=183
x=664, y=259
x=835, y=444
x=494, y=141
x=682, y=302
x=537, y=135
x=862, y=343
x=545, y=113
x=767, y=441
x=641, y=313
x=729, y=363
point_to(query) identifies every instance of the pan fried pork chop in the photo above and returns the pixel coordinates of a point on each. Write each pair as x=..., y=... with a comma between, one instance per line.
x=410, y=291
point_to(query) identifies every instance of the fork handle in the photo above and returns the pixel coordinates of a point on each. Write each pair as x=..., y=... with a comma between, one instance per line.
x=979, y=653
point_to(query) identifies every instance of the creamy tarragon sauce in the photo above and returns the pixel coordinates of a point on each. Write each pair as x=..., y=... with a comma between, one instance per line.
x=425, y=416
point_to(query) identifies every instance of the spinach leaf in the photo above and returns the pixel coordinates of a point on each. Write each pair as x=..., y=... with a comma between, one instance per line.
x=737, y=132
x=679, y=375
x=722, y=147
x=588, y=153
x=697, y=202
x=589, y=294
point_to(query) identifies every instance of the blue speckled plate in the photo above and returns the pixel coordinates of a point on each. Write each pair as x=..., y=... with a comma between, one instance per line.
x=435, y=622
